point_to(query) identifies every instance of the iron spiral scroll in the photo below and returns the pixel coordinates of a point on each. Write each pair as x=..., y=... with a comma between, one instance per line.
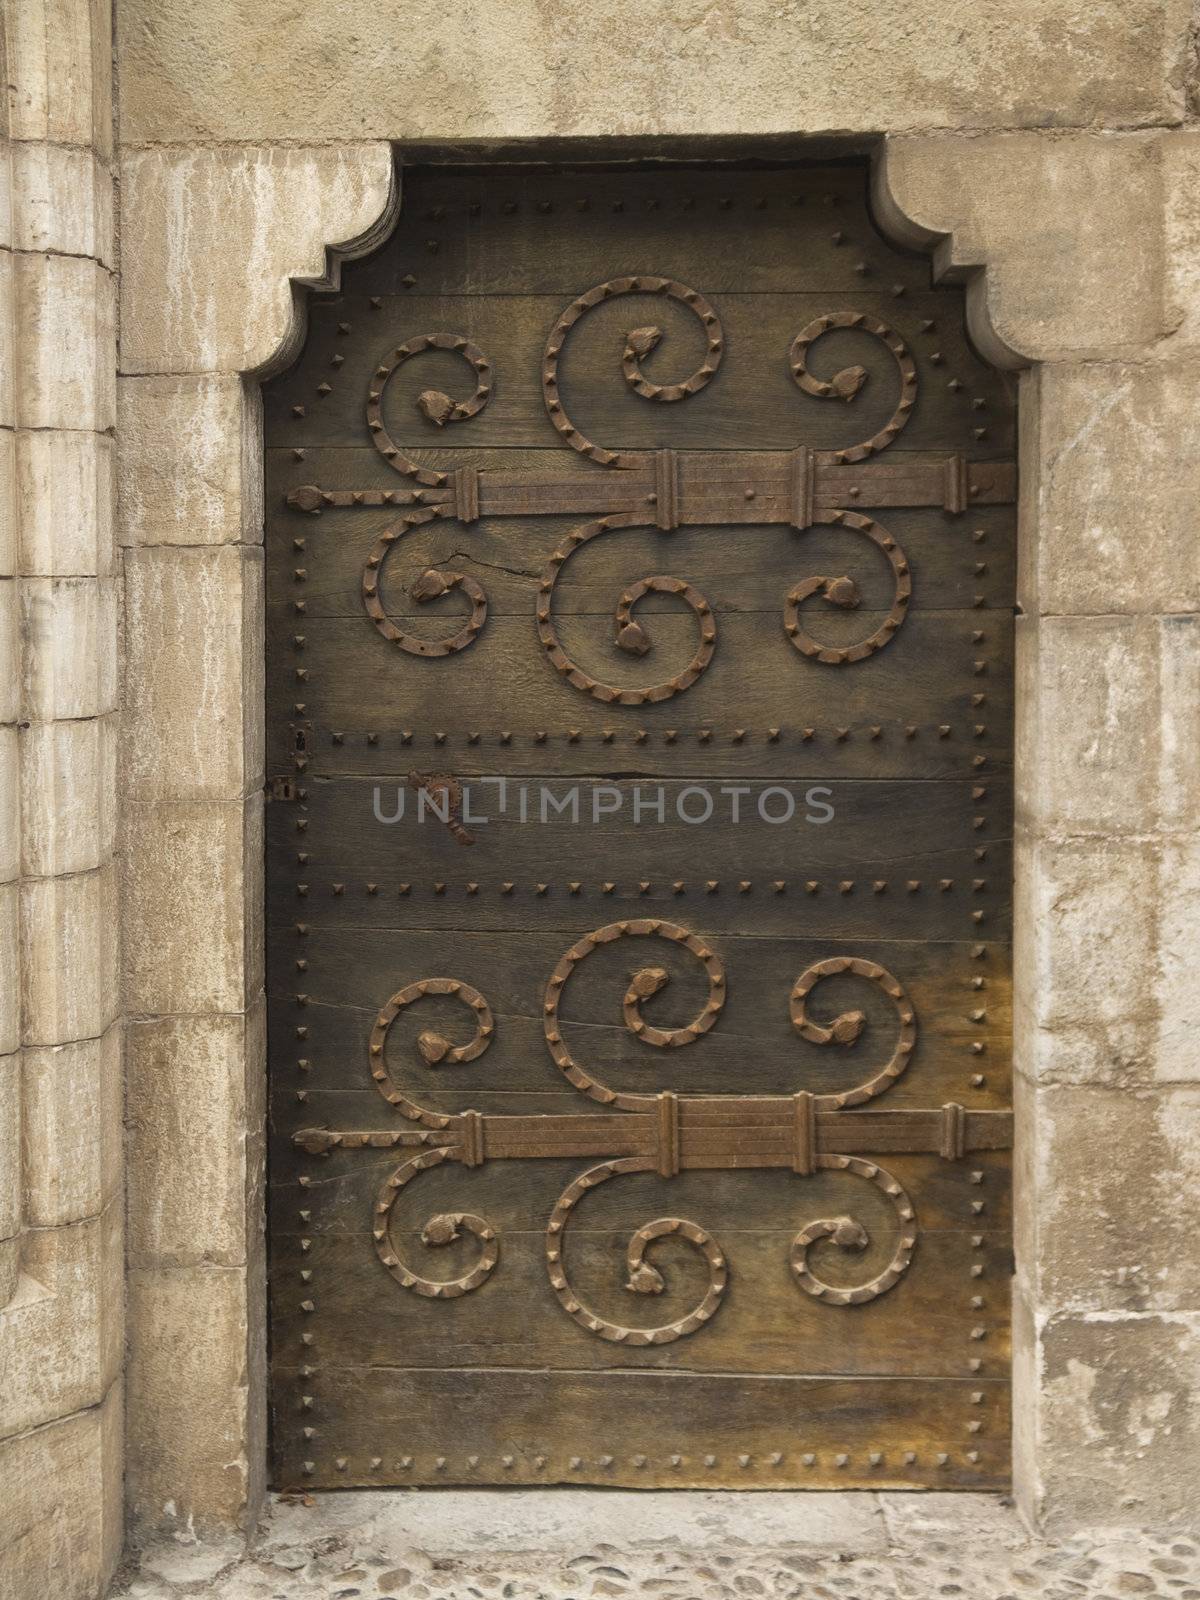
x=433, y=494
x=660, y=1120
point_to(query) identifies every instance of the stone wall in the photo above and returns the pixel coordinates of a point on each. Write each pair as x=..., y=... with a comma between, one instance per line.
x=61, y=1252
x=1043, y=149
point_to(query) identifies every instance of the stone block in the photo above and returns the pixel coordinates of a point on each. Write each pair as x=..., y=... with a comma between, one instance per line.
x=10, y=958
x=8, y=499
x=69, y=666
x=1119, y=1429
x=1099, y=1218
x=191, y=462
x=11, y=1208
x=862, y=66
x=62, y=201
x=56, y=1332
x=190, y=907
x=60, y=1535
x=1176, y=1013
x=69, y=987
x=65, y=501
x=66, y=353
x=68, y=795
x=1069, y=230
x=187, y=1089
x=1101, y=747
x=1086, y=979
x=8, y=357
x=1181, y=217
x=193, y=643
x=60, y=67
x=10, y=808
x=10, y=651
x=72, y=1129
x=1115, y=467
x=211, y=240
x=188, y=1398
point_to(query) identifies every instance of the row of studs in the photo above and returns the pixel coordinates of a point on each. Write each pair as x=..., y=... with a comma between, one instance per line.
x=505, y=736
x=843, y=1460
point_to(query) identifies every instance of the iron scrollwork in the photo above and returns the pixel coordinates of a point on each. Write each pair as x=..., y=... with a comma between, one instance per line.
x=661, y=1121
x=441, y=494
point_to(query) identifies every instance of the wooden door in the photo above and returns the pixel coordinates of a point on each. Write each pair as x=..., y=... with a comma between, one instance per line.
x=638, y=1096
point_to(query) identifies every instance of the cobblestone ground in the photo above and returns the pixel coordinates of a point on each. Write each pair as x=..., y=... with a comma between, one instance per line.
x=890, y=1547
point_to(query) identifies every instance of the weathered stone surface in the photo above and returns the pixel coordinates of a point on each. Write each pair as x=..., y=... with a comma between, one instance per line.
x=8, y=359
x=1181, y=209
x=72, y=1129
x=1100, y=748
x=69, y=987
x=10, y=809
x=192, y=887
x=1120, y=1425
x=187, y=1087
x=10, y=651
x=193, y=645
x=68, y=794
x=1115, y=469
x=66, y=352
x=8, y=495
x=1099, y=1215
x=187, y=1467
x=65, y=500
x=530, y=1546
x=1069, y=230
x=1087, y=1003
x=10, y=993
x=11, y=1208
x=256, y=218
x=60, y=1531
x=634, y=70
x=60, y=70
x=62, y=201
x=69, y=663
x=61, y=1331
x=190, y=469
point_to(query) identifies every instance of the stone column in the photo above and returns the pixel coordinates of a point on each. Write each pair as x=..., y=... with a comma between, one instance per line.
x=61, y=1258
x=211, y=242
x=1092, y=251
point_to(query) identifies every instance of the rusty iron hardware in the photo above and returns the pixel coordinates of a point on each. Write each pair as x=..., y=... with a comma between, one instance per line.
x=282, y=788
x=664, y=1132
x=445, y=799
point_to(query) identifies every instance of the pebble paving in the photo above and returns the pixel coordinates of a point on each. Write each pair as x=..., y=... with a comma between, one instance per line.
x=977, y=1559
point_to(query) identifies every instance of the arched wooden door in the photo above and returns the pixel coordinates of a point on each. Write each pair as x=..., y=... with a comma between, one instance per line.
x=640, y=560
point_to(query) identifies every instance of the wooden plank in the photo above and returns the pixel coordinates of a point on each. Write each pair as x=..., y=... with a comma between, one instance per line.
x=626, y=1429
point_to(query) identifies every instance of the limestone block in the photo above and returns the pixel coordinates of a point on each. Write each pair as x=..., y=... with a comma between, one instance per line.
x=193, y=632
x=8, y=500
x=66, y=351
x=62, y=201
x=60, y=67
x=1086, y=1007
x=69, y=662
x=212, y=238
x=65, y=503
x=1101, y=743
x=52, y=1332
x=187, y=1089
x=192, y=888
x=11, y=1210
x=10, y=944
x=60, y=1534
x=1068, y=228
x=679, y=68
x=1119, y=1430
x=1181, y=206
x=190, y=462
x=10, y=811
x=1099, y=1218
x=10, y=652
x=69, y=957
x=8, y=357
x=1114, y=453
x=68, y=795
x=188, y=1397
x=1177, y=1013
x=72, y=1129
